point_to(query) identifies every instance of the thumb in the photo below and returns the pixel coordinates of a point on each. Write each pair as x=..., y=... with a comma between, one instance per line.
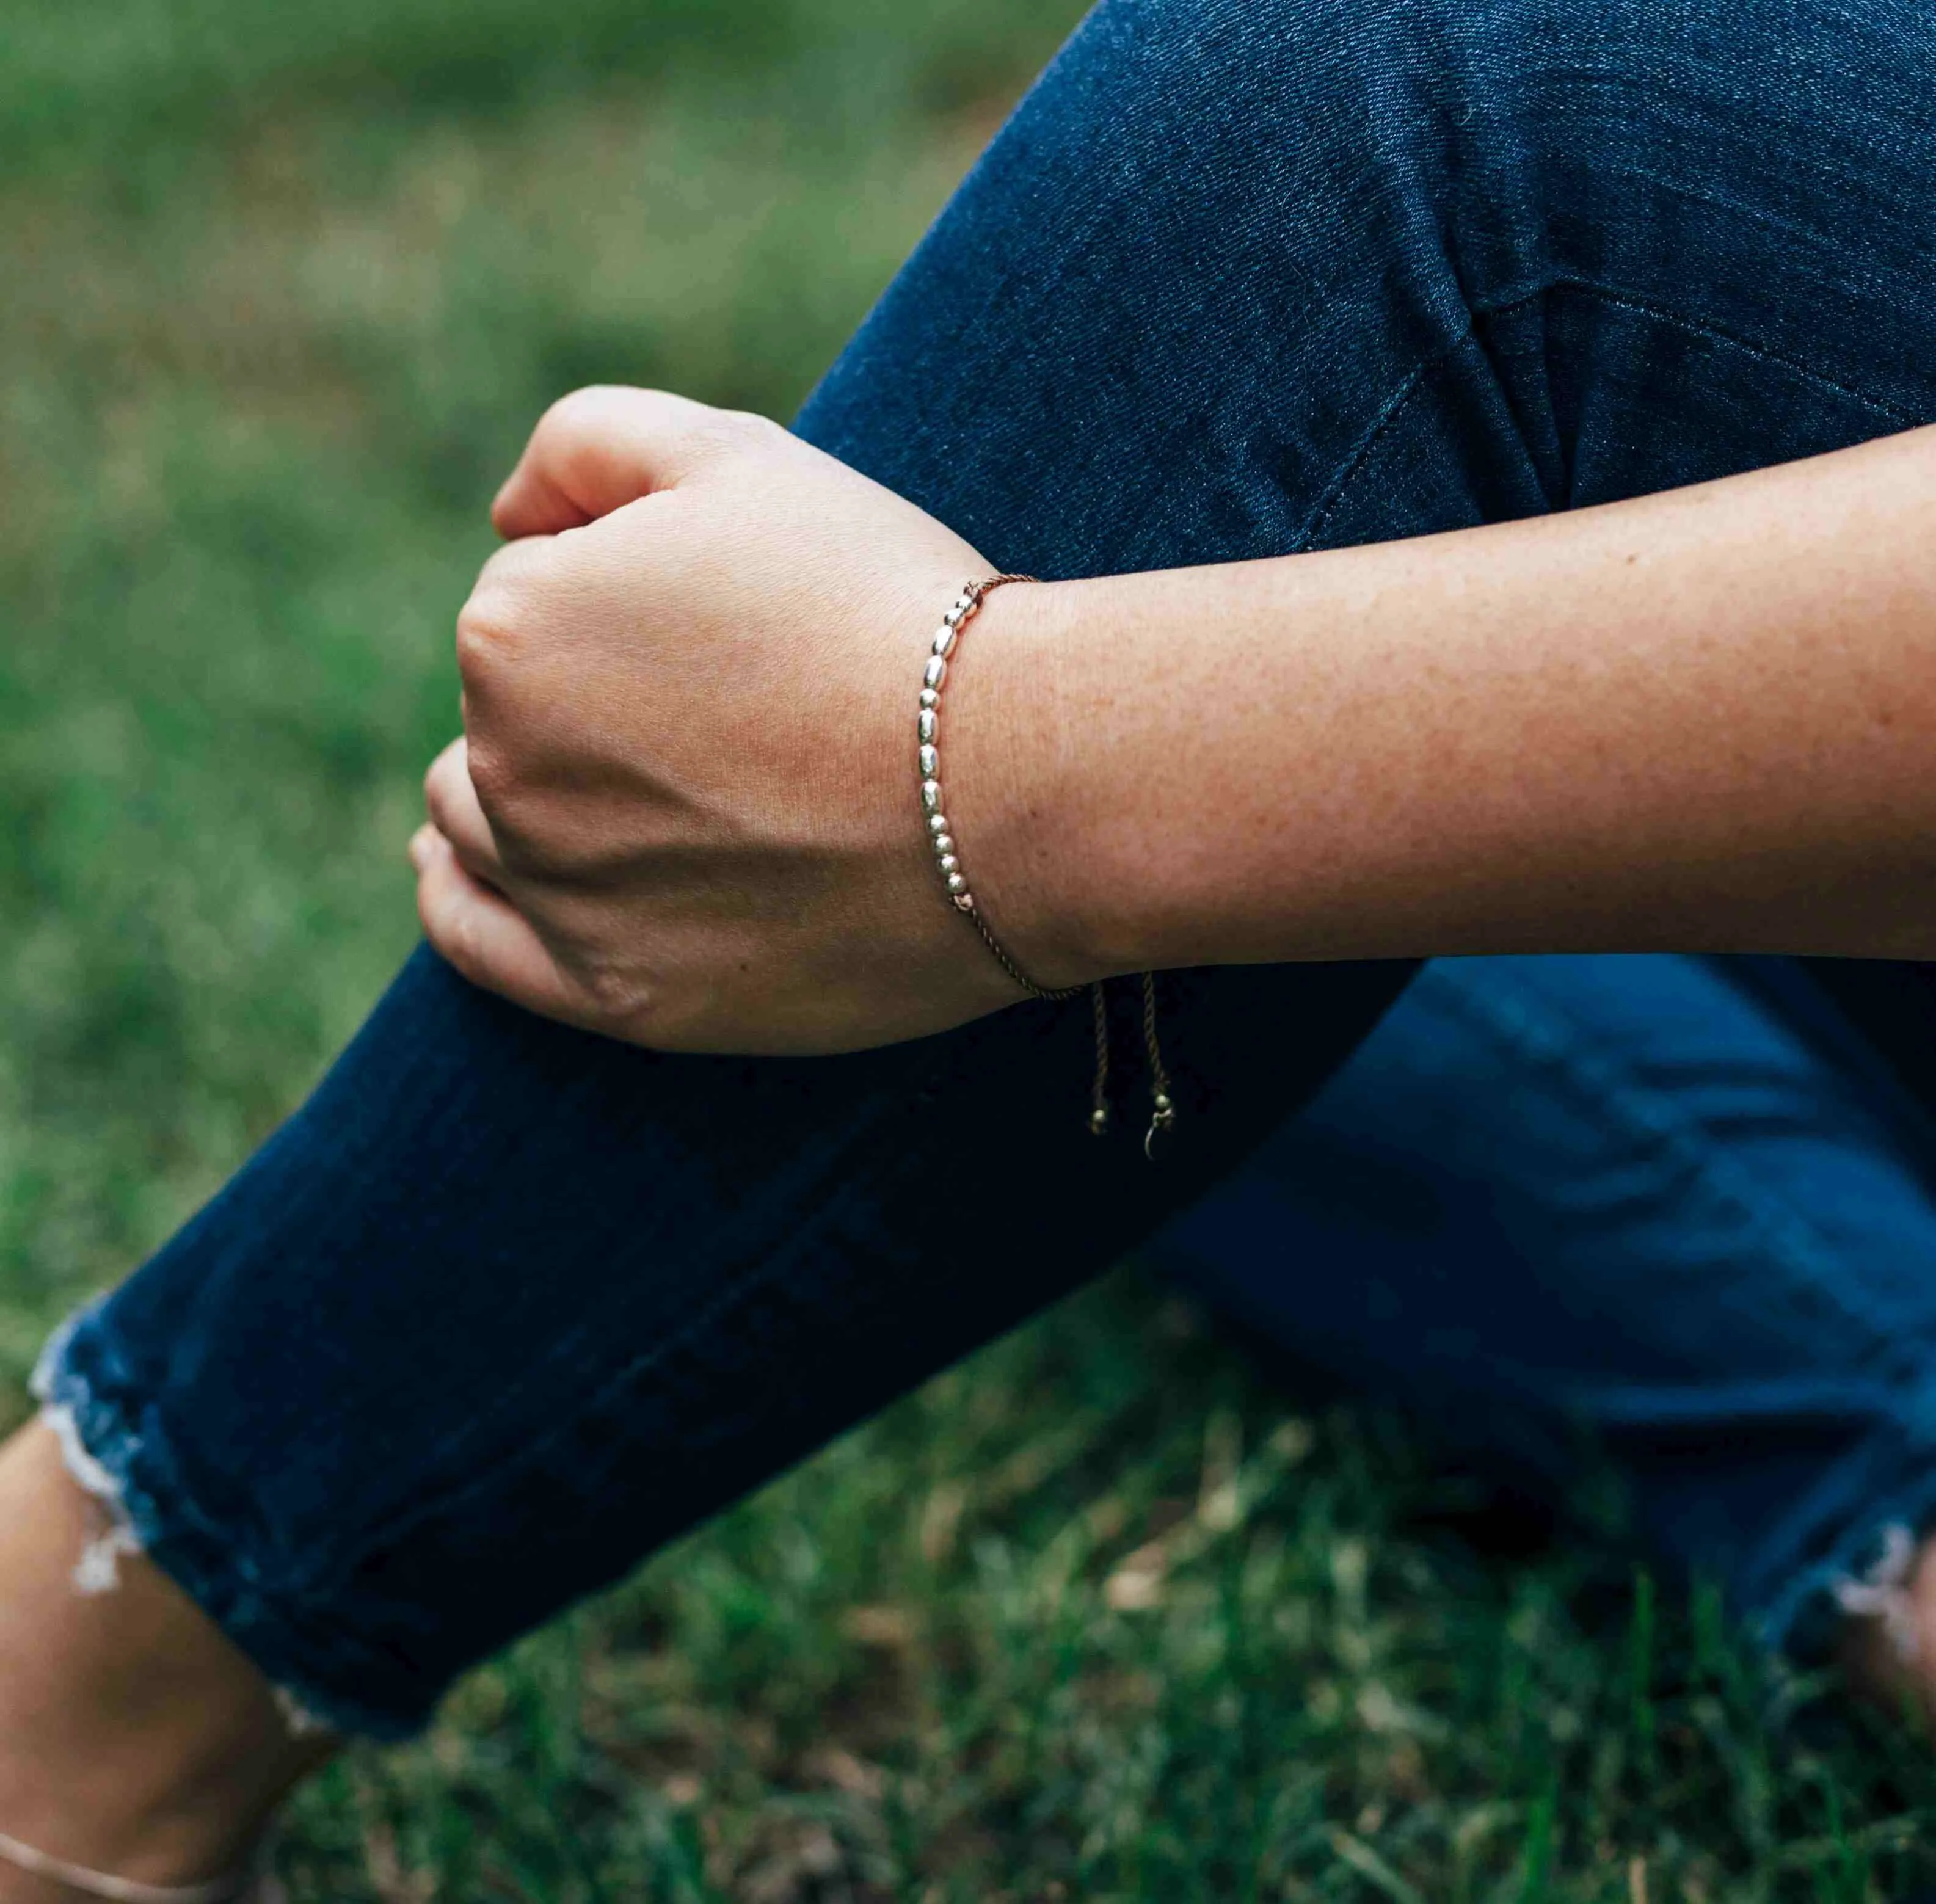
x=602, y=447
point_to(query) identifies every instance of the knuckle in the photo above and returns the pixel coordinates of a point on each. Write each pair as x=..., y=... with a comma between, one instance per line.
x=495, y=776
x=621, y=995
x=578, y=408
x=486, y=638
x=583, y=418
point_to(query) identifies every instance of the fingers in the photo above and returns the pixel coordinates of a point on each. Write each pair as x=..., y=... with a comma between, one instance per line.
x=601, y=448
x=482, y=935
x=451, y=800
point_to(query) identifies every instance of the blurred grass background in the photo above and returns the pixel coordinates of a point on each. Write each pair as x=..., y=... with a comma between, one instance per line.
x=1100, y=1616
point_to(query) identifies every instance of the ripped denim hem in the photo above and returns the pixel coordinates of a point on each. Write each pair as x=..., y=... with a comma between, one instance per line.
x=120, y=1468
x=1860, y=1570
x=1866, y=1575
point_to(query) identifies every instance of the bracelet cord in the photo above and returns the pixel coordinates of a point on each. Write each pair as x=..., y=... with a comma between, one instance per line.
x=1163, y=1114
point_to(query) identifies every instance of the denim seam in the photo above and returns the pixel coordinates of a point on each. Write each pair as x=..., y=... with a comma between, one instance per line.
x=1702, y=327
x=1353, y=466
x=1349, y=472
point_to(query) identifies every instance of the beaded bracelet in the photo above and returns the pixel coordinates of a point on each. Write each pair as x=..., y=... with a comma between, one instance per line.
x=948, y=863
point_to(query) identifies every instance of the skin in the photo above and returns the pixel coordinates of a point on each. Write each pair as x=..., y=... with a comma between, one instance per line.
x=134, y=1737
x=684, y=814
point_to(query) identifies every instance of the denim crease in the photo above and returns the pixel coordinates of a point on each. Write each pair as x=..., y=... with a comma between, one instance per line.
x=1623, y=1206
x=504, y=1308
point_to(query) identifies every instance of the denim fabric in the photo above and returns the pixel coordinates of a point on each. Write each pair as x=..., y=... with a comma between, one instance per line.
x=1626, y=1209
x=503, y=1308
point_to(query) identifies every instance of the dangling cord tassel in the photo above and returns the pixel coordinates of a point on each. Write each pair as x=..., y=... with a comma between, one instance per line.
x=1099, y=1093
x=1163, y=1112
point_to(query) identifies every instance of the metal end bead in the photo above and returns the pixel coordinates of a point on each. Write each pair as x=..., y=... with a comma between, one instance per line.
x=944, y=640
x=957, y=884
x=937, y=823
x=930, y=762
x=930, y=700
x=948, y=863
x=964, y=902
x=1162, y=1102
x=930, y=797
x=944, y=842
x=935, y=672
x=1099, y=1121
x=925, y=723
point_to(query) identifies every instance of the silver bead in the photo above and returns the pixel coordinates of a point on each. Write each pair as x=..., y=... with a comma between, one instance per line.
x=935, y=671
x=1098, y=1120
x=944, y=641
x=937, y=824
x=964, y=902
x=953, y=617
x=930, y=700
x=964, y=604
x=930, y=763
x=948, y=863
x=944, y=842
x=1162, y=1101
x=957, y=884
x=931, y=796
x=925, y=723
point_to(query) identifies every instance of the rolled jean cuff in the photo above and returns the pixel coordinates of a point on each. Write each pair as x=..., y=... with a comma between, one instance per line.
x=118, y=1450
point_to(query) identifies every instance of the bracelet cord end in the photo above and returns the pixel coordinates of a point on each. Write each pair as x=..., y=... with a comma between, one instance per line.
x=934, y=678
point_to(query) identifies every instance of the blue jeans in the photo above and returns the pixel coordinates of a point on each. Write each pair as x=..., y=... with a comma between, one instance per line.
x=1652, y=1212
x=503, y=1308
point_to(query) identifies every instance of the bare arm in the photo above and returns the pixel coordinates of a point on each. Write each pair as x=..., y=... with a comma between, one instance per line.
x=1705, y=719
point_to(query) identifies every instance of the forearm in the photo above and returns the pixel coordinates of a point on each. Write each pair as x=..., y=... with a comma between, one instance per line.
x=1704, y=719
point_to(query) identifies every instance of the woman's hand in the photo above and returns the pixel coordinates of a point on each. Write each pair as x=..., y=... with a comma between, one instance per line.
x=685, y=811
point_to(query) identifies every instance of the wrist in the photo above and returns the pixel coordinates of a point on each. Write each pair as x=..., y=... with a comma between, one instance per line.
x=1023, y=773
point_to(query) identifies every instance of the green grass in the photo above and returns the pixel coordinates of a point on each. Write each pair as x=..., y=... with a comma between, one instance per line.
x=1099, y=1616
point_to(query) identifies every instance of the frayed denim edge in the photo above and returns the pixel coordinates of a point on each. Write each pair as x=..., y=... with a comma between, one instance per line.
x=1866, y=1575
x=100, y=1449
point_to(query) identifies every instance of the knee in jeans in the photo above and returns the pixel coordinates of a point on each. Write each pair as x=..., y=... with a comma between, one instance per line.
x=1530, y=138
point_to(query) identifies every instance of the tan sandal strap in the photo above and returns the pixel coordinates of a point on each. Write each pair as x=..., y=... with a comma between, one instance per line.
x=120, y=1890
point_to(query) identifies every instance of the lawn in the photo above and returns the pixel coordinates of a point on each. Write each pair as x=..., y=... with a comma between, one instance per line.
x=1101, y=1616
